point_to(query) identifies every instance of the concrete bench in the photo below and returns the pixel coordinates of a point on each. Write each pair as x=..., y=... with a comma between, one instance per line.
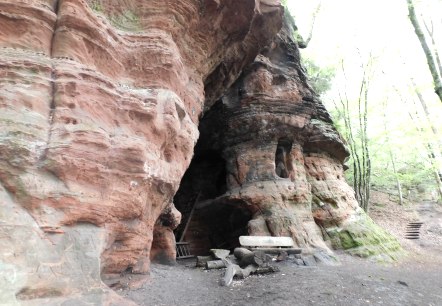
x=269, y=244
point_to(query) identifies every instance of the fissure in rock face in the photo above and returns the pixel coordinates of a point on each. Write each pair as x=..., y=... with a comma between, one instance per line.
x=99, y=107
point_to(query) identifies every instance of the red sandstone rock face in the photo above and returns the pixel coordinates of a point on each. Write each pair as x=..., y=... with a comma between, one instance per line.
x=99, y=111
x=283, y=163
x=99, y=108
x=281, y=149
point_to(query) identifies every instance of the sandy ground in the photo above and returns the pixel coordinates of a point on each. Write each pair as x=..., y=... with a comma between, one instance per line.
x=414, y=280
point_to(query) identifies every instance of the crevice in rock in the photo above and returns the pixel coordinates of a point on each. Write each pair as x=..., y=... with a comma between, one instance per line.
x=56, y=11
x=53, y=85
x=52, y=106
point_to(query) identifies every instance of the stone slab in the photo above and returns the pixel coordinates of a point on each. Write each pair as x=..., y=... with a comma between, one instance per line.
x=265, y=241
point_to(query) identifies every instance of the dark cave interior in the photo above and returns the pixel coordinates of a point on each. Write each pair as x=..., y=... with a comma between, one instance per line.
x=208, y=220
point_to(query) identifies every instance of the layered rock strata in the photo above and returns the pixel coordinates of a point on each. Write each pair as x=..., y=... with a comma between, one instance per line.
x=99, y=109
x=284, y=164
x=100, y=103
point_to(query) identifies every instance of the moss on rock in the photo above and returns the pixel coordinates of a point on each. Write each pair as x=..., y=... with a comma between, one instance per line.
x=362, y=237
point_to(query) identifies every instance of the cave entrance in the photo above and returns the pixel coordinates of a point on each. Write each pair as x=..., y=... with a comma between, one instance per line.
x=208, y=221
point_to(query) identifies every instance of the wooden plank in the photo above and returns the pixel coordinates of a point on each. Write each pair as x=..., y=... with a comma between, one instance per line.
x=265, y=241
x=184, y=257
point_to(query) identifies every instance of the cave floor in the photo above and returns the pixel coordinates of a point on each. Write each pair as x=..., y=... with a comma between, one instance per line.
x=354, y=282
x=416, y=279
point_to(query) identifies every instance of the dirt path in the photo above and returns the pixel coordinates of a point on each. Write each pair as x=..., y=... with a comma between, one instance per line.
x=354, y=282
x=415, y=280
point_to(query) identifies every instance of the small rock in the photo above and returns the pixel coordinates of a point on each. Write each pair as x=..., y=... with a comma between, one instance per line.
x=299, y=262
x=219, y=253
x=309, y=260
x=403, y=283
x=324, y=258
x=282, y=256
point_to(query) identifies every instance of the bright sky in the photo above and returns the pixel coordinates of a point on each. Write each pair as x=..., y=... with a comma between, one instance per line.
x=350, y=30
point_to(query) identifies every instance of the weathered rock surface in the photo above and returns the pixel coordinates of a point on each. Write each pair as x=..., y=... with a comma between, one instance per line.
x=100, y=103
x=99, y=109
x=283, y=164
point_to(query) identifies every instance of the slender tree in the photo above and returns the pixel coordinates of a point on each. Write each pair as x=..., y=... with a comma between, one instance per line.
x=392, y=155
x=315, y=14
x=428, y=118
x=432, y=157
x=430, y=56
x=430, y=32
x=358, y=142
x=423, y=121
x=433, y=153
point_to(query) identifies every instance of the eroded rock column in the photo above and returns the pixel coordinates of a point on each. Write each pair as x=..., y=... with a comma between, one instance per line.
x=285, y=158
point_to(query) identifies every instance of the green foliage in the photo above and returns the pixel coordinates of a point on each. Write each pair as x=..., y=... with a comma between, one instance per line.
x=413, y=173
x=364, y=238
x=414, y=169
x=126, y=21
x=338, y=120
x=320, y=77
x=96, y=6
x=290, y=21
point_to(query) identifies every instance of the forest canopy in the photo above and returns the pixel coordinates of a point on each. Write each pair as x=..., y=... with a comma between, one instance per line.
x=368, y=63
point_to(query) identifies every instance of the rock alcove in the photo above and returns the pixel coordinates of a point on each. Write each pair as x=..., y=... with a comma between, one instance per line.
x=208, y=221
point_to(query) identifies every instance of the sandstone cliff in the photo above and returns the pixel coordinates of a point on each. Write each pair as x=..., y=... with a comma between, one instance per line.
x=100, y=107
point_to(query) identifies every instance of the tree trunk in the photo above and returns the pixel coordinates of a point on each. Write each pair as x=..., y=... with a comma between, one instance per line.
x=392, y=157
x=315, y=14
x=427, y=113
x=434, y=149
x=433, y=43
x=432, y=159
x=398, y=182
x=360, y=155
x=428, y=54
x=364, y=142
x=439, y=183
